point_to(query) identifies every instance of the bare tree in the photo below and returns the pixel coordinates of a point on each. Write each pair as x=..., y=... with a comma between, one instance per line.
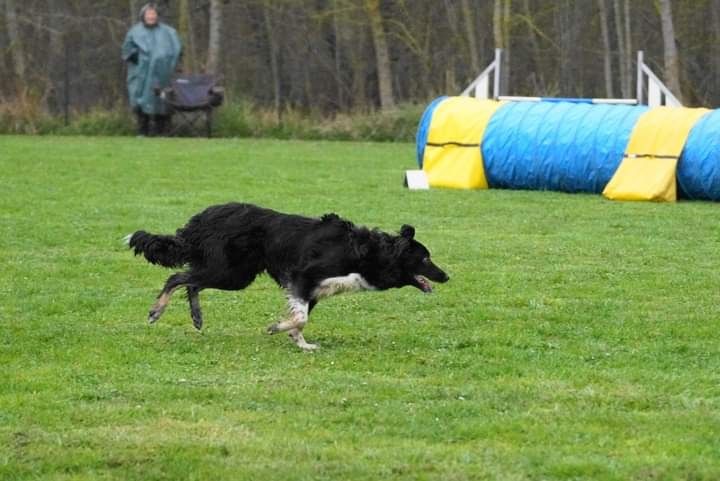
x=607, y=49
x=337, y=56
x=672, y=61
x=133, y=4
x=468, y=17
x=274, y=69
x=715, y=50
x=382, y=54
x=624, y=44
x=16, y=45
x=215, y=25
x=619, y=31
x=628, y=47
x=501, y=34
x=533, y=31
x=186, y=34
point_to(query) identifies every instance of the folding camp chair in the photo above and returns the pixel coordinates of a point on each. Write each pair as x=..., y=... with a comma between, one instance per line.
x=190, y=98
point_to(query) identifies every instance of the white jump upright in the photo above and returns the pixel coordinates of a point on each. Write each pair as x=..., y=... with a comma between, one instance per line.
x=480, y=87
x=657, y=93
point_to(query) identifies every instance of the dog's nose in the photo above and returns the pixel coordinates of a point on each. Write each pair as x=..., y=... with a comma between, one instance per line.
x=441, y=277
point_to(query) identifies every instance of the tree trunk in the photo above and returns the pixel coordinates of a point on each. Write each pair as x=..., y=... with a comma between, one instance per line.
x=215, y=25
x=451, y=51
x=274, y=69
x=186, y=34
x=467, y=14
x=382, y=55
x=607, y=59
x=563, y=26
x=628, y=48
x=134, y=10
x=622, y=53
x=672, y=62
x=715, y=39
x=340, y=100
x=16, y=46
x=359, y=66
x=537, y=74
x=55, y=56
x=501, y=34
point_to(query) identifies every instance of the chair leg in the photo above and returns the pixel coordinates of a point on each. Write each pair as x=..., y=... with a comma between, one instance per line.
x=208, y=122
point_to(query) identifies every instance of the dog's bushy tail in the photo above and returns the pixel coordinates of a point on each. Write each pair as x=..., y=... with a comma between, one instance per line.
x=164, y=250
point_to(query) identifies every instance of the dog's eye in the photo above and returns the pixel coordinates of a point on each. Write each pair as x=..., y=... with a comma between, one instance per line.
x=426, y=260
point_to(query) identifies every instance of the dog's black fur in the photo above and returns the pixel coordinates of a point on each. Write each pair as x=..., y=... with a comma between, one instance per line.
x=227, y=246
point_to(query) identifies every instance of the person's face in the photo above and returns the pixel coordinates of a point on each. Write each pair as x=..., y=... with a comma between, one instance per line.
x=150, y=16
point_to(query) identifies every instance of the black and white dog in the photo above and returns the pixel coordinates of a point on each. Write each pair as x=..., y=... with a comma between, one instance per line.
x=227, y=246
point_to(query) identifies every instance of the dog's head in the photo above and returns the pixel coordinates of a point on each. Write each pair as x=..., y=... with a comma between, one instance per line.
x=414, y=259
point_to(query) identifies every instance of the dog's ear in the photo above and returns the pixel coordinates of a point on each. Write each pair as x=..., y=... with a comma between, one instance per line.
x=331, y=217
x=407, y=231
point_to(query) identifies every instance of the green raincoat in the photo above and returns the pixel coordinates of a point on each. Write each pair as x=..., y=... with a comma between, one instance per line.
x=151, y=54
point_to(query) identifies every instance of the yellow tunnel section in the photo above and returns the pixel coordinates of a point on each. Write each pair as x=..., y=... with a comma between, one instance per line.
x=453, y=154
x=649, y=166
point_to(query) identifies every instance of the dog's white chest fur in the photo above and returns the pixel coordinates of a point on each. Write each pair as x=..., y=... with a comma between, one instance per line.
x=337, y=285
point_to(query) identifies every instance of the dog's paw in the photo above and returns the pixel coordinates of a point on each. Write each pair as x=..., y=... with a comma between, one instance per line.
x=273, y=329
x=153, y=316
x=307, y=347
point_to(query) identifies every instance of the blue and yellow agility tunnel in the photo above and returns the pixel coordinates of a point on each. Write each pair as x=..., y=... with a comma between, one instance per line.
x=626, y=152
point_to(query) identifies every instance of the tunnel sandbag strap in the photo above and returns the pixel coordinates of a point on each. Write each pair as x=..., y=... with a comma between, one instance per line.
x=452, y=155
x=648, y=169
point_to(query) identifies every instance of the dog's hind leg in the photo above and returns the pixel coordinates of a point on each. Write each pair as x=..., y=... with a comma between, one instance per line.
x=195, y=312
x=171, y=285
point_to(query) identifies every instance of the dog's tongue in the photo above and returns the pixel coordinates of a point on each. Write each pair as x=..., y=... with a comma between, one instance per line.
x=424, y=283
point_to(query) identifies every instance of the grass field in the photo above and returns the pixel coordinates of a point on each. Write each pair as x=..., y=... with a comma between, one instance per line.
x=577, y=339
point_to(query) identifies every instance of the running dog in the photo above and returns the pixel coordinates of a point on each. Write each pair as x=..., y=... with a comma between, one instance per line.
x=227, y=246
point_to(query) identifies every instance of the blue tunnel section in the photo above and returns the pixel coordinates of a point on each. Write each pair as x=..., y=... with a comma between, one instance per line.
x=565, y=146
x=424, y=129
x=698, y=171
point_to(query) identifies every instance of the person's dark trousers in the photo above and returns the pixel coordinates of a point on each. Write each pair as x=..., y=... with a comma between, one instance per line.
x=143, y=120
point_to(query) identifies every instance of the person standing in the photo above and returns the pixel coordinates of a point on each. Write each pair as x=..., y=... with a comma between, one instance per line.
x=152, y=51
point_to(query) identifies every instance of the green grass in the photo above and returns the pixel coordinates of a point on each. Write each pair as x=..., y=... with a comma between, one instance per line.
x=577, y=339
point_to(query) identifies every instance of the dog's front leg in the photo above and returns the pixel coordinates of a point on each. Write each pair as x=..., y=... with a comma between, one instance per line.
x=297, y=337
x=294, y=322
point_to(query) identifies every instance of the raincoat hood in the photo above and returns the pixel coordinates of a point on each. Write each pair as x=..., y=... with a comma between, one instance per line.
x=145, y=8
